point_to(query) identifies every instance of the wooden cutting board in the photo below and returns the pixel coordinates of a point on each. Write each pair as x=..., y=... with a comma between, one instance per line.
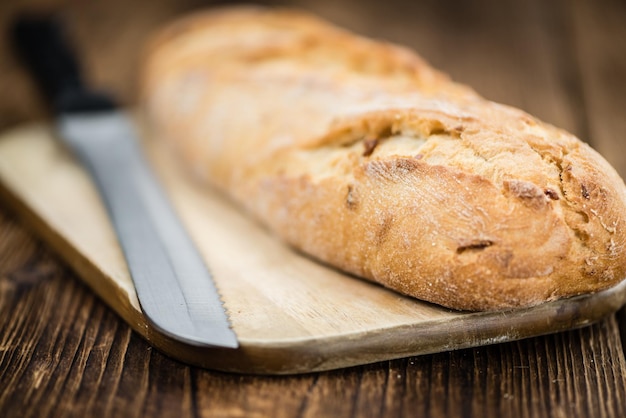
x=290, y=313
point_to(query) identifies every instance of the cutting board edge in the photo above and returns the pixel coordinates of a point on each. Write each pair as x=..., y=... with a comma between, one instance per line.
x=470, y=330
x=291, y=356
x=296, y=356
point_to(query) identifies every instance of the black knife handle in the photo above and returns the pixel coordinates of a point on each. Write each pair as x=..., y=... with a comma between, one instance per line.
x=40, y=43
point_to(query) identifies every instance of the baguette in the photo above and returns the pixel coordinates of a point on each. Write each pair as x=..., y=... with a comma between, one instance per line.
x=361, y=155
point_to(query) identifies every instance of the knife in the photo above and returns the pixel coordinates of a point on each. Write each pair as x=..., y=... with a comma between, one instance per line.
x=175, y=289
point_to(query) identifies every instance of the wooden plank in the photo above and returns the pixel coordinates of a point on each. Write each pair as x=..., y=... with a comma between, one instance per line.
x=576, y=373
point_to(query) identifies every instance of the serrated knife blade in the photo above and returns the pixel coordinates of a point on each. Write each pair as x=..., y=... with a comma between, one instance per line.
x=174, y=287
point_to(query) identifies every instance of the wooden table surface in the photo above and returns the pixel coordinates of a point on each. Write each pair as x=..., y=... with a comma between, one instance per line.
x=64, y=353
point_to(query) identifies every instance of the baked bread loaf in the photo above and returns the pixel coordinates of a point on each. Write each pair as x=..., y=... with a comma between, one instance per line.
x=359, y=154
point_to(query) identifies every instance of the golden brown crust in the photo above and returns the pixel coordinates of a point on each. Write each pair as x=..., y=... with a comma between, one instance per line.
x=360, y=154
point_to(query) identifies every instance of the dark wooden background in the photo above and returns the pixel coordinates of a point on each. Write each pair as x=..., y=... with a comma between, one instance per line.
x=64, y=353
